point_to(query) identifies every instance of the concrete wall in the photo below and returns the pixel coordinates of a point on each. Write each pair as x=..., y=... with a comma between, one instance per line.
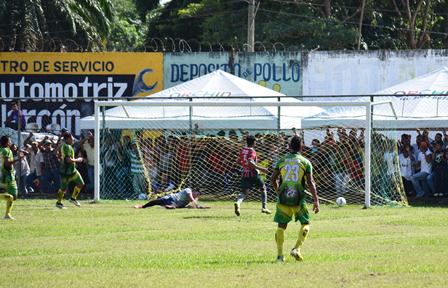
x=353, y=73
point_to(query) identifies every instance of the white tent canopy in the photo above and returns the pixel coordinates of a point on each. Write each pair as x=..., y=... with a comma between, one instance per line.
x=413, y=110
x=219, y=86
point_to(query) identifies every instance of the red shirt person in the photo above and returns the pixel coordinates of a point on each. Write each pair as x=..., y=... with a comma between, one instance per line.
x=250, y=177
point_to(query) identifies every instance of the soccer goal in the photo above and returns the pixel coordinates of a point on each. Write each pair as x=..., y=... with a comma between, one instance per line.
x=151, y=145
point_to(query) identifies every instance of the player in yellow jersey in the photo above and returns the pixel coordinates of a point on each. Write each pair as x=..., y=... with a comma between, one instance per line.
x=68, y=172
x=8, y=184
x=293, y=169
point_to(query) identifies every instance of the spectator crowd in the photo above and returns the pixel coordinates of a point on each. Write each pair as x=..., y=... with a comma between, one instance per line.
x=135, y=164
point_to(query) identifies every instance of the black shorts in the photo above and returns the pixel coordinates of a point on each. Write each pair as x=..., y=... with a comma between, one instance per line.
x=249, y=182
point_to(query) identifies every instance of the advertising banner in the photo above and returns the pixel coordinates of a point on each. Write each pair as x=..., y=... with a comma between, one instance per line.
x=277, y=71
x=58, y=88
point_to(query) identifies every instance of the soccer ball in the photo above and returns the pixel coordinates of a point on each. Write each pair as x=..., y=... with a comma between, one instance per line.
x=142, y=196
x=340, y=201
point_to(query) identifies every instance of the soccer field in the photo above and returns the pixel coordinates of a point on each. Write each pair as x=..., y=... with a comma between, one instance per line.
x=113, y=245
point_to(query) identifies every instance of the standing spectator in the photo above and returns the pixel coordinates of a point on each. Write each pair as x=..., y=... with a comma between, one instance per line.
x=406, y=169
x=425, y=159
x=114, y=165
x=37, y=180
x=51, y=179
x=416, y=147
x=233, y=136
x=87, y=146
x=425, y=135
x=22, y=170
x=137, y=170
x=438, y=177
x=315, y=143
x=34, y=156
x=445, y=140
x=339, y=167
x=16, y=116
x=163, y=185
x=166, y=156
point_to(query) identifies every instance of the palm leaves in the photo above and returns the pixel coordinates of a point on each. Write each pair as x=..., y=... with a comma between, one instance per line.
x=36, y=25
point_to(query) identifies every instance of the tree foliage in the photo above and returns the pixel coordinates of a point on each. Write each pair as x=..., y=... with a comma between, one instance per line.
x=131, y=25
x=30, y=25
x=302, y=24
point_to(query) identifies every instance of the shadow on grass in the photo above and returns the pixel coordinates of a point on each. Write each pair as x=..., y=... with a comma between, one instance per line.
x=242, y=262
x=439, y=202
x=209, y=217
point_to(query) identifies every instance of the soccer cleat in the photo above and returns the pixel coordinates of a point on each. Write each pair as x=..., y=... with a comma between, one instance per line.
x=237, y=209
x=60, y=205
x=265, y=211
x=296, y=254
x=75, y=202
x=9, y=217
x=138, y=206
x=280, y=259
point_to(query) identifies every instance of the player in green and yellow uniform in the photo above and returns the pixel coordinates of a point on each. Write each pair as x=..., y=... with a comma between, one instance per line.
x=8, y=184
x=68, y=172
x=293, y=169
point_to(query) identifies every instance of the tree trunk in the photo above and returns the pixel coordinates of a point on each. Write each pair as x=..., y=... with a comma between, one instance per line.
x=327, y=8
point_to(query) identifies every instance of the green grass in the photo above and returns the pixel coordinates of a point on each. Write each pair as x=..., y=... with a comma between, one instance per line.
x=113, y=245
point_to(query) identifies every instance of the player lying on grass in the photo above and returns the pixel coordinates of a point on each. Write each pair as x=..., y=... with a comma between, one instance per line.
x=174, y=200
x=292, y=169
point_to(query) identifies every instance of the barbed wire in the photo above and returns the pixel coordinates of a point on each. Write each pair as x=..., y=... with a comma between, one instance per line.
x=155, y=44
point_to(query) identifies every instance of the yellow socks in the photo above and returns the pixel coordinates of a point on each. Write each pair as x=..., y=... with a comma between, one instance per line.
x=279, y=239
x=9, y=202
x=303, y=233
x=76, y=191
x=60, y=195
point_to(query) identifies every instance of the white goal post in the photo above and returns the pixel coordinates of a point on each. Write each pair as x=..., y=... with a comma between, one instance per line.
x=102, y=106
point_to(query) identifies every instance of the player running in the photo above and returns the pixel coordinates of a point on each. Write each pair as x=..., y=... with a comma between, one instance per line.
x=293, y=169
x=8, y=184
x=68, y=172
x=250, y=176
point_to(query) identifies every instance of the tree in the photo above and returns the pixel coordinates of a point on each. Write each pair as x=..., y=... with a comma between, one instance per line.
x=127, y=32
x=36, y=25
x=178, y=19
x=419, y=18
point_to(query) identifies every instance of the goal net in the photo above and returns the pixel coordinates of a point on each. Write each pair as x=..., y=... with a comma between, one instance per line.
x=158, y=146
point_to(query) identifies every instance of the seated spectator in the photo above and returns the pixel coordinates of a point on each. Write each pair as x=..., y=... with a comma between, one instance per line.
x=175, y=200
x=420, y=180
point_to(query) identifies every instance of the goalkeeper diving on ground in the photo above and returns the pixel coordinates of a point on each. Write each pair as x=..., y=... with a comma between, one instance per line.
x=185, y=198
